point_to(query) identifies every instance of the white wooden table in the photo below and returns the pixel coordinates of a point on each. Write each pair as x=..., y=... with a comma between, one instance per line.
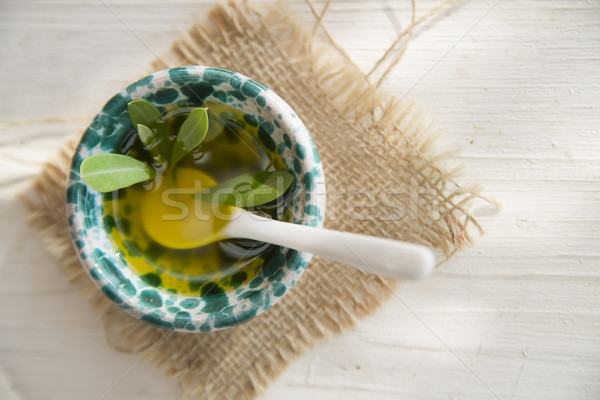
x=516, y=84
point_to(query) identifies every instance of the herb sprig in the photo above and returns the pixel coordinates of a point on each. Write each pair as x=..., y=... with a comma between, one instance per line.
x=110, y=172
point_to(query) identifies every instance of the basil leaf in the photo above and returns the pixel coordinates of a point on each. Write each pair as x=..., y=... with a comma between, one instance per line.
x=191, y=134
x=149, y=140
x=142, y=112
x=249, y=190
x=108, y=172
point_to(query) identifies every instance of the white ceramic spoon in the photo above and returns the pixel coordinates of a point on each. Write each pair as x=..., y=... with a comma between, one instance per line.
x=390, y=258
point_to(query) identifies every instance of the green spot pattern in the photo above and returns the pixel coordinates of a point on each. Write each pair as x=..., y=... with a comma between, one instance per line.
x=237, y=298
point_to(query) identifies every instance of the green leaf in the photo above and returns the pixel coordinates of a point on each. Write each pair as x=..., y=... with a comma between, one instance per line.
x=149, y=140
x=108, y=172
x=142, y=112
x=249, y=190
x=191, y=134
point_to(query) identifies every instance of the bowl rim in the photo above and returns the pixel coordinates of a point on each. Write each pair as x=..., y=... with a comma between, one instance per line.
x=97, y=261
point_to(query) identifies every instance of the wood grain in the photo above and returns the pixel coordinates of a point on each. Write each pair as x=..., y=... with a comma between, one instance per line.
x=517, y=90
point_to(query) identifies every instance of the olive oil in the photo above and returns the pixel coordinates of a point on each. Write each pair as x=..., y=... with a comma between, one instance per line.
x=229, y=149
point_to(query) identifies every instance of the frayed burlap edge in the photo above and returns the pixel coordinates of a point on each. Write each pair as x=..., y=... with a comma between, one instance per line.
x=369, y=142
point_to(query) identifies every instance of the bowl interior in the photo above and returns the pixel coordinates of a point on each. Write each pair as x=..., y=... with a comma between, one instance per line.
x=219, y=303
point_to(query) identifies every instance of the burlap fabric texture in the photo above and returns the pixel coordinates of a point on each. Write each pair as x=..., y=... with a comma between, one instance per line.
x=381, y=180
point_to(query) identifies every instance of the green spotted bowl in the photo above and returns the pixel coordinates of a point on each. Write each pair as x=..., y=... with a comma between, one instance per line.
x=228, y=301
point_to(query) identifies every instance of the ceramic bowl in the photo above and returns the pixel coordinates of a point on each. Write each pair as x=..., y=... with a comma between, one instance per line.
x=229, y=301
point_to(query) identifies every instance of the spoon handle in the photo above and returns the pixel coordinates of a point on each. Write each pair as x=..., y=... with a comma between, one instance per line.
x=390, y=258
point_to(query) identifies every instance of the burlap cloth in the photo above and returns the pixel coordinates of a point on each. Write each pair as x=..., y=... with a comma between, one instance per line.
x=381, y=180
